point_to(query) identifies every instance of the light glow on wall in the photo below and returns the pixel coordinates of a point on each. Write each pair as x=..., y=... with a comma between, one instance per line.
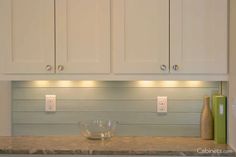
x=170, y=83
x=141, y=83
x=146, y=83
x=64, y=83
x=194, y=83
x=42, y=83
x=88, y=83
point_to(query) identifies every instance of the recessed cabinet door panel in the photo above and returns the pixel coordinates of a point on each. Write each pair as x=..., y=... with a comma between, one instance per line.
x=199, y=36
x=27, y=35
x=140, y=36
x=83, y=36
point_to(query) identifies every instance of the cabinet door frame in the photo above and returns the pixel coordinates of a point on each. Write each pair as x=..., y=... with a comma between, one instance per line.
x=15, y=37
x=97, y=65
x=121, y=64
x=216, y=61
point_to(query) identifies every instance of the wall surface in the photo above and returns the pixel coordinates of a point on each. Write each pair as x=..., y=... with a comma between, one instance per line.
x=133, y=104
x=232, y=74
x=5, y=108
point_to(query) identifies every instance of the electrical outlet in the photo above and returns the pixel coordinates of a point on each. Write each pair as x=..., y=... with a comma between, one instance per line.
x=162, y=104
x=50, y=103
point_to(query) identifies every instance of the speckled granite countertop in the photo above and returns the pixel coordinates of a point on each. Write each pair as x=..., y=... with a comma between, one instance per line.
x=177, y=146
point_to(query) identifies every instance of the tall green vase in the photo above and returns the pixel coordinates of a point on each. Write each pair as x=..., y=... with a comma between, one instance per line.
x=220, y=119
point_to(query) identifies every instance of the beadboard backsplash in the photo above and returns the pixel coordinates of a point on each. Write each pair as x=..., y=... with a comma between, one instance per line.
x=132, y=103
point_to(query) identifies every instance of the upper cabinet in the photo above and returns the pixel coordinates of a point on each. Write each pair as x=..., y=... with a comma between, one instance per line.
x=198, y=36
x=197, y=29
x=83, y=36
x=140, y=36
x=114, y=39
x=27, y=35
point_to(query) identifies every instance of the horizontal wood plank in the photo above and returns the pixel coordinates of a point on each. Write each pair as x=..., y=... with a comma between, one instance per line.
x=190, y=106
x=121, y=130
x=112, y=93
x=123, y=118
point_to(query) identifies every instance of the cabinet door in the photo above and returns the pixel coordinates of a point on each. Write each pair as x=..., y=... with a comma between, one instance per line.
x=140, y=36
x=27, y=35
x=199, y=36
x=83, y=36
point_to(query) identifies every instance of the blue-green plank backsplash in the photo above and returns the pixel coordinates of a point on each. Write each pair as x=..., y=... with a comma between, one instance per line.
x=132, y=103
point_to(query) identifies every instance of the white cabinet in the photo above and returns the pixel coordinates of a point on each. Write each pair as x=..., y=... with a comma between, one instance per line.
x=111, y=37
x=27, y=35
x=198, y=36
x=140, y=36
x=82, y=38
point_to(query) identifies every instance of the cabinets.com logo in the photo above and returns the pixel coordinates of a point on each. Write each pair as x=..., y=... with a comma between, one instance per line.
x=213, y=151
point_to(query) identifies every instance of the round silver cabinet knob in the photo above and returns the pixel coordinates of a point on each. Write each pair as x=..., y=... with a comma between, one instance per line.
x=48, y=67
x=60, y=68
x=163, y=67
x=175, y=67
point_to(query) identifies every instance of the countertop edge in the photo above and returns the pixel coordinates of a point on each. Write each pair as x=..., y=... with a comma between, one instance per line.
x=114, y=152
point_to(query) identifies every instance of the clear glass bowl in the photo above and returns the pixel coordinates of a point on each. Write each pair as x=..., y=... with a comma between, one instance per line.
x=98, y=129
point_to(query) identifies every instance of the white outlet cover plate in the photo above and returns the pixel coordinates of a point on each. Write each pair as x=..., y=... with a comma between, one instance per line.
x=162, y=104
x=50, y=103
